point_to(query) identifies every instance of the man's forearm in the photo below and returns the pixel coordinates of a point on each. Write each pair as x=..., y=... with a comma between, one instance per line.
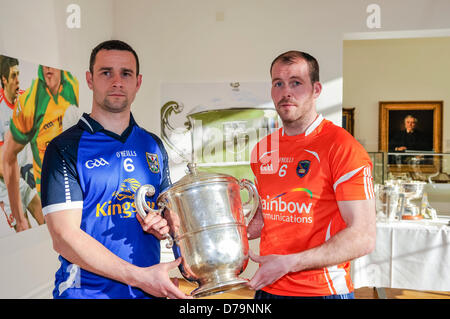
x=11, y=177
x=355, y=240
x=344, y=246
x=83, y=250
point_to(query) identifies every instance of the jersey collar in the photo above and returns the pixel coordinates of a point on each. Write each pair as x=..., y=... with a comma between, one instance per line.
x=310, y=128
x=92, y=126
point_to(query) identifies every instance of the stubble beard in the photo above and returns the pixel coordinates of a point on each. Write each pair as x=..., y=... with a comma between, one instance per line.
x=115, y=107
x=301, y=116
x=292, y=115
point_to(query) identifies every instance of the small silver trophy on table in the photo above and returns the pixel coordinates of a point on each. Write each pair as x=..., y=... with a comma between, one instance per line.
x=412, y=190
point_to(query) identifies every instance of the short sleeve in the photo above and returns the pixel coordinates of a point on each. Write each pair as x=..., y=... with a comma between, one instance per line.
x=60, y=187
x=351, y=170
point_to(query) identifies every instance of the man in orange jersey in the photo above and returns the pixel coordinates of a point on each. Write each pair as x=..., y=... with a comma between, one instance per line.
x=317, y=208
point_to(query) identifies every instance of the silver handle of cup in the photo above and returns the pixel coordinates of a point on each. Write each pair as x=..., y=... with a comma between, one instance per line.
x=251, y=205
x=142, y=208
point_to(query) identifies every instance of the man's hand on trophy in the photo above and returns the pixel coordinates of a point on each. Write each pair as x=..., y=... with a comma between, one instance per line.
x=271, y=268
x=155, y=280
x=154, y=224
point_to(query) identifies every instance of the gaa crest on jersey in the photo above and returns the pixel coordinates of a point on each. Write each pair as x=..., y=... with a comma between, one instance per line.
x=303, y=168
x=153, y=162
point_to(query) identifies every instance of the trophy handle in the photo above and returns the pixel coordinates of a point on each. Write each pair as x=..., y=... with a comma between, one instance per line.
x=250, y=206
x=166, y=111
x=142, y=208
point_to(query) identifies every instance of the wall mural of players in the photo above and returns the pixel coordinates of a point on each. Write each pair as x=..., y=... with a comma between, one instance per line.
x=36, y=104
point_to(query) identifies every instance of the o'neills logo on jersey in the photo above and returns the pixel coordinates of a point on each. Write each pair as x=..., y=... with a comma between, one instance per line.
x=122, y=202
x=275, y=207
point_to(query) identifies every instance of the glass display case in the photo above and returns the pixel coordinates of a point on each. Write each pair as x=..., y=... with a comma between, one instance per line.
x=411, y=185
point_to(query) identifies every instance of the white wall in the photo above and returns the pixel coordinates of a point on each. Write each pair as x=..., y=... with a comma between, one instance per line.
x=28, y=264
x=182, y=41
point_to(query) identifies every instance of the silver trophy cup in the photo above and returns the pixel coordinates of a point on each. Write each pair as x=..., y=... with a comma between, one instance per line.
x=208, y=225
x=413, y=191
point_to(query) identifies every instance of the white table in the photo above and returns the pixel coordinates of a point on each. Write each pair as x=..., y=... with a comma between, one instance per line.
x=408, y=255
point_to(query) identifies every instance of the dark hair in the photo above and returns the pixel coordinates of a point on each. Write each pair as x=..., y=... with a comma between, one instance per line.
x=6, y=64
x=112, y=45
x=290, y=57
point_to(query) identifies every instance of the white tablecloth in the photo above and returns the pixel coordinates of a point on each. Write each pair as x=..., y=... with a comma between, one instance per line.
x=408, y=255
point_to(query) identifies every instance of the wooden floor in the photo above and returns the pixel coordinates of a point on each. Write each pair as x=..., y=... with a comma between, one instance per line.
x=370, y=293
x=361, y=293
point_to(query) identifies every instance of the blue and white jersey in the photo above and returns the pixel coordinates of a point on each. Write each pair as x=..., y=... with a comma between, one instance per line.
x=98, y=171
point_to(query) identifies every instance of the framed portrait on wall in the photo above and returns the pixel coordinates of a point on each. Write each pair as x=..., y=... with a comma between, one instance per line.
x=410, y=127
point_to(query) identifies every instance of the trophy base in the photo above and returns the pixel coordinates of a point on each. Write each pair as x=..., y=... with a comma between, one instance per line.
x=214, y=288
x=412, y=217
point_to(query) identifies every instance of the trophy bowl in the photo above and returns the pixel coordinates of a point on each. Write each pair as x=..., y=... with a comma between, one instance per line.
x=208, y=224
x=412, y=190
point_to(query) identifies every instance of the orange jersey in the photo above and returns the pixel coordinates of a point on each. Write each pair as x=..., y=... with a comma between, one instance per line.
x=300, y=179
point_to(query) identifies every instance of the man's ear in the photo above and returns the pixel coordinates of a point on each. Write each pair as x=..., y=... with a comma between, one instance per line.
x=89, y=79
x=139, y=81
x=317, y=89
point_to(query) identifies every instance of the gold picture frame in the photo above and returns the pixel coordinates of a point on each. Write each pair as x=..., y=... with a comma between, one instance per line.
x=429, y=114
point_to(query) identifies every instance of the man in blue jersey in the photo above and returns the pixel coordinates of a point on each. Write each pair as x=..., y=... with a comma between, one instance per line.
x=90, y=176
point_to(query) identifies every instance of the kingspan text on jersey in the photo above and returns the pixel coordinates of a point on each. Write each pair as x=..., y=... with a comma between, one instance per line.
x=126, y=209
